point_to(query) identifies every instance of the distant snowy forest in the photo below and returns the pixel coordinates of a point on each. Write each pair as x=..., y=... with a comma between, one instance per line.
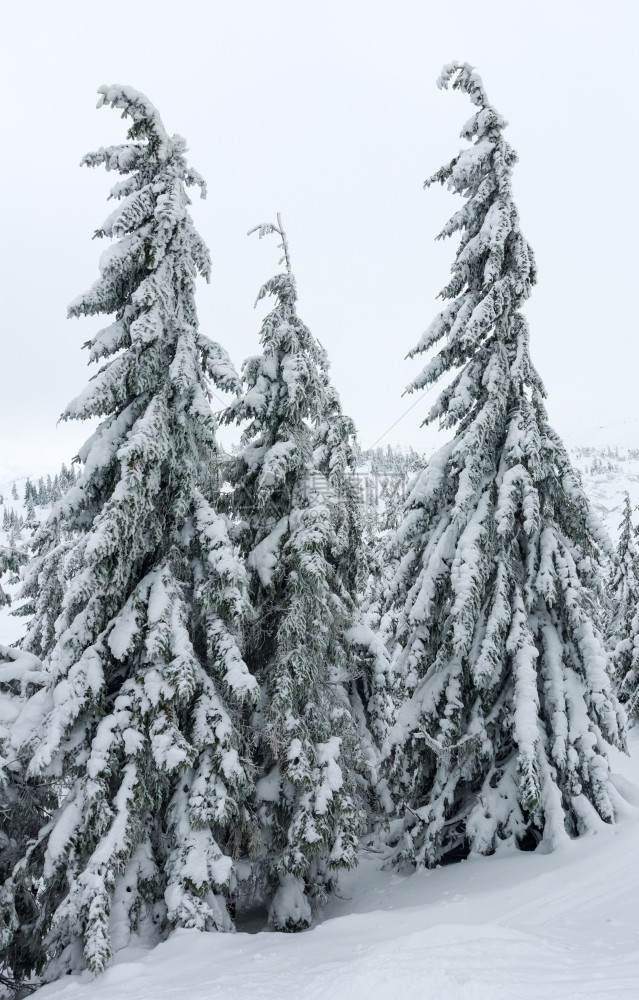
x=225, y=675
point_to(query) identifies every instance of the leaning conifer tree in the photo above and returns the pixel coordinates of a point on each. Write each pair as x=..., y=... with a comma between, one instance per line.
x=507, y=705
x=306, y=750
x=624, y=624
x=146, y=683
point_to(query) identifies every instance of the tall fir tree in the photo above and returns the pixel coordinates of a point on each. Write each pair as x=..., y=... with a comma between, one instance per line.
x=140, y=721
x=624, y=624
x=307, y=751
x=507, y=708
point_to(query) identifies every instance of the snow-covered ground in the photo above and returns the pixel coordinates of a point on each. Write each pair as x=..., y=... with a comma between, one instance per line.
x=551, y=926
x=12, y=627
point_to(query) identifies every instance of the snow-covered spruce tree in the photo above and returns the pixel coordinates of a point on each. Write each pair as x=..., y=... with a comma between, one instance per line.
x=24, y=809
x=374, y=640
x=508, y=706
x=624, y=625
x=335, y=458
x=11, y=559
x=146, y=681
x=385, y=482
x=306, y=745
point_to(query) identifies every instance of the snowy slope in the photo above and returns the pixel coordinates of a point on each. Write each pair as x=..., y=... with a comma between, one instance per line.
x=607, y=473
x=531, y=926
x=12, y=627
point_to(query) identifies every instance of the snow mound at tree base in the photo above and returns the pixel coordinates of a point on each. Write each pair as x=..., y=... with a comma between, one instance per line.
x=533, y=926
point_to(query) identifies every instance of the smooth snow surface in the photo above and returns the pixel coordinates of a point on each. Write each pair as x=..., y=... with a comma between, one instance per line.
x=552, y=926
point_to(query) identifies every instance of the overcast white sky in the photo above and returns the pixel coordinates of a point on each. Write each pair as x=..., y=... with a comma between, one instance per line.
x=328, y=112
